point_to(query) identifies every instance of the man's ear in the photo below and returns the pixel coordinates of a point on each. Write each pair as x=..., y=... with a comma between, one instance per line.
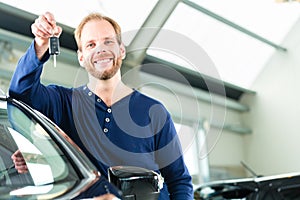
x=122, y=50
x=80, y=58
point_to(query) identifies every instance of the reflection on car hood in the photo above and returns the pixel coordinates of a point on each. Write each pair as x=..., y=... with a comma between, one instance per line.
x=284, y=186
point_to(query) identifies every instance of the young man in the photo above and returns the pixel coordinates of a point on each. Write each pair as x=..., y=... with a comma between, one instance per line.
x=112, y=123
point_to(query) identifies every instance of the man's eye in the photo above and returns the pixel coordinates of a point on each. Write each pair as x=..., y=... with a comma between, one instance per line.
x=90, y=45
x=109, y=42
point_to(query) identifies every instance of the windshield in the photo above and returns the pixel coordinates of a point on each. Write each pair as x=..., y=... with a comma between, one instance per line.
x=45, y=161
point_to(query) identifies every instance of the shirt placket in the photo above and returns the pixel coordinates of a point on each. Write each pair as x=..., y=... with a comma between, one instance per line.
x=107, y=111
x=107, y=119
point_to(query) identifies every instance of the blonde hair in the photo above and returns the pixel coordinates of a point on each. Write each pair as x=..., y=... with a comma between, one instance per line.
x=97, y=16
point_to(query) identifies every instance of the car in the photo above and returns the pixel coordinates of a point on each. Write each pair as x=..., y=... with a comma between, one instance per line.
x=57, y=168
x=273, y=187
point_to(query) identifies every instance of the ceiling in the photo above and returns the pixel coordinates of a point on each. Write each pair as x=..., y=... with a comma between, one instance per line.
x=235, y=37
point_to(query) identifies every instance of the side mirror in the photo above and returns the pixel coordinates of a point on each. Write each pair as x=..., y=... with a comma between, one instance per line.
x=136, y=183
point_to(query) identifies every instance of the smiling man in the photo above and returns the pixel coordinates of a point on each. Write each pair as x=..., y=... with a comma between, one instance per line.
x=111, y=122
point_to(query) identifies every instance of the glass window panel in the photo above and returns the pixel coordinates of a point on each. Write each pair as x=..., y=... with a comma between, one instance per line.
x=237, y=57
x=267, y=18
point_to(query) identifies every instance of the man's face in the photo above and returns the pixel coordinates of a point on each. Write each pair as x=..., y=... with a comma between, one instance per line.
x=101, y=54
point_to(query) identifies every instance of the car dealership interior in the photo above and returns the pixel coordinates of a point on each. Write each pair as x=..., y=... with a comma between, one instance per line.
x=227, y=71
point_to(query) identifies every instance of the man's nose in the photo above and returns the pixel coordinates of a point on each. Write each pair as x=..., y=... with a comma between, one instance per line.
x=100, y=49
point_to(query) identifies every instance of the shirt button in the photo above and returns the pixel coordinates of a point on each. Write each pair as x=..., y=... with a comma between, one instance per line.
x=109, y=110
x=98, y=100
x=90, y=93
x=105, y=130
x=107, y=119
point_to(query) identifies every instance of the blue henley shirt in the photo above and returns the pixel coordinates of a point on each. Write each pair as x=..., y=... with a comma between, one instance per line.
x=135, y=131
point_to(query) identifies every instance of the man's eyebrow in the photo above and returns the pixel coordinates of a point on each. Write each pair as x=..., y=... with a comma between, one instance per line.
x=105, y=38
x=89, y=41
x=111, y=37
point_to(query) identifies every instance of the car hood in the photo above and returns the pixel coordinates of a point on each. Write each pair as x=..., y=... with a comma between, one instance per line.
x=286, y=186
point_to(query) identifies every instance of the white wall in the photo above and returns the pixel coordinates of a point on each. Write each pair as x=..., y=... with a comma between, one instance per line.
x=275, y=112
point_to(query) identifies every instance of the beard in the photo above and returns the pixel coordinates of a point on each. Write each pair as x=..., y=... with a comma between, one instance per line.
x=106, y=73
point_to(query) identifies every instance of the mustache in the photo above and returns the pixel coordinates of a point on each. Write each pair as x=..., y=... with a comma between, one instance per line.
x=100, y=53
x=103, y=56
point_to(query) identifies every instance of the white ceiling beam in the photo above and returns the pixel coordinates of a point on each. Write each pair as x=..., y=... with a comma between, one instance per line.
x=148, y=31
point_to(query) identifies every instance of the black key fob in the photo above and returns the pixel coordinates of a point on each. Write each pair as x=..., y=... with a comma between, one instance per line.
x=53, y=45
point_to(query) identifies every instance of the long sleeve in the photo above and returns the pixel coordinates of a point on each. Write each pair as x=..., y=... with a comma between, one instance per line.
x=26, y=86
x=174, y=170
x=178, y=180
x=26, y=76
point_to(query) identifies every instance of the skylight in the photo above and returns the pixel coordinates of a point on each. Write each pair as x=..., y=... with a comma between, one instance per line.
x=238, y=57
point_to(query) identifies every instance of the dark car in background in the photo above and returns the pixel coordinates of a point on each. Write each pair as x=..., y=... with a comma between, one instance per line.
x=57, y=169
x=276, y=187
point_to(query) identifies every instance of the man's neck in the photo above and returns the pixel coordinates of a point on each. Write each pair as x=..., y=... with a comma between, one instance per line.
x=110, y=91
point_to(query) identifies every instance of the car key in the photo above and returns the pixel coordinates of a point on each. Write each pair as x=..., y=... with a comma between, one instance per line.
x=54, y=47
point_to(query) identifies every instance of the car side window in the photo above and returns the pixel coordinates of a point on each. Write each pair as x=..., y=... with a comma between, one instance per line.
x=8, y=174
x=45, y=162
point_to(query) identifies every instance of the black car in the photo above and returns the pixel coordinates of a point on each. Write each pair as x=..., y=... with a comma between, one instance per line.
x=277, y=187
x=57, y=169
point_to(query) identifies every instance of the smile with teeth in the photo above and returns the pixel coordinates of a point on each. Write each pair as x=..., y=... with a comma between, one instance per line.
x=103, y=61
